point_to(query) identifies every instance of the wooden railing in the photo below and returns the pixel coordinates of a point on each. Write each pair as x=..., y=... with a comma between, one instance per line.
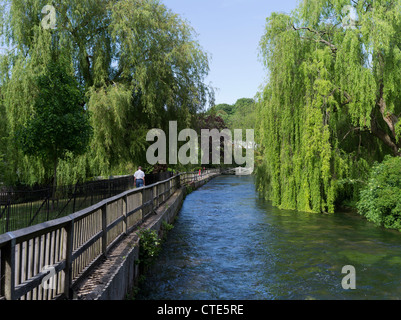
x=46, y=261
x=189, y=177
x=64, y=250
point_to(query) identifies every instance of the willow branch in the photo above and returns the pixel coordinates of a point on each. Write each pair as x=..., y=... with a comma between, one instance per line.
x=351, y=130
x=319, y=34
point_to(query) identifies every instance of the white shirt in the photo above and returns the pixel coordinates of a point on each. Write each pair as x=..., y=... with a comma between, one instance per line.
x=139, y=174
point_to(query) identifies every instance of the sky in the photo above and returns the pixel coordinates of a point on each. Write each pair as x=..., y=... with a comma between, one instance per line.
x=230, y=32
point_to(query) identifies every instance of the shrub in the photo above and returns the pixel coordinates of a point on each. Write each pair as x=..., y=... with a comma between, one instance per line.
x=149, y=246
x=380, y=200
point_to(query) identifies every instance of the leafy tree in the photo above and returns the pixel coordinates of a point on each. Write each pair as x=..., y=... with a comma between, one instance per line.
x=244, y=116
x=227, y=108
x=222, y=114
x=139, y=63
x=243, y=103
x=211, y=121
x=241, y=115
x=332, y=101
x=380, y=200
x=59, y=124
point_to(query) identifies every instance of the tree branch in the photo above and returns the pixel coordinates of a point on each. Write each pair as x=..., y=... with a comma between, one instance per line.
x=349, y=99
x=389, y=118
x=319, y=34
x=351, y=130
x=384, y=137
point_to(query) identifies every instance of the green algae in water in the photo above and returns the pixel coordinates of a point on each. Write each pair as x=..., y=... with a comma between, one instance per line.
x=358, y=257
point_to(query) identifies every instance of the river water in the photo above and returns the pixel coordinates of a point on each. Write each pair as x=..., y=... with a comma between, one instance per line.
x=228, y=244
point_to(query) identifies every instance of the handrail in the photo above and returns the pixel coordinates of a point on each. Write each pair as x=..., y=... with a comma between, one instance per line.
x=25, y=232
x=70, y=246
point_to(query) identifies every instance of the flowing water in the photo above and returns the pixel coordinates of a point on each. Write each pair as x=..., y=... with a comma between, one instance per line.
x=228, y=244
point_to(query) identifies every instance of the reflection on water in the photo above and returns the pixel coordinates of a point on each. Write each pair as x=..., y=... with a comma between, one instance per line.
x=229, y=244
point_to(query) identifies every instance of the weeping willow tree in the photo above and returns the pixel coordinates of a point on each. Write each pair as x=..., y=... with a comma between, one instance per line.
x=332, y=102
x=139, y=64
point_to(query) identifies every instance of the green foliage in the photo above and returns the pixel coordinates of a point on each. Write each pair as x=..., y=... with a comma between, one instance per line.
x=59, y=124
x=166, y=226
x=227, y=108
x=139, y=65
x=241, y=115
x=189, y=189
x=380, y=200
x=149, y=246
x=329, y=109
x=121, y=135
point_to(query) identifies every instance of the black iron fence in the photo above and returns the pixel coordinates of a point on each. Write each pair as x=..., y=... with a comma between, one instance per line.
x=23, y=208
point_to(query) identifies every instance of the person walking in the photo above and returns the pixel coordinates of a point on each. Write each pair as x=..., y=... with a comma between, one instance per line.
x=139, y=178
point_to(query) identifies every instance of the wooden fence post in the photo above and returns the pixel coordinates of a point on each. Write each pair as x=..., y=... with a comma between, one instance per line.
x=125, y=212
x=154, y=194
x=141, y=203
x=153, y=200
x=8, y=261
x=69, y=242
x=104, y=228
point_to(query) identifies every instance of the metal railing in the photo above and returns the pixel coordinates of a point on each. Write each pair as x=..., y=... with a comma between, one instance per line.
x=67, y=248
x=24, y=208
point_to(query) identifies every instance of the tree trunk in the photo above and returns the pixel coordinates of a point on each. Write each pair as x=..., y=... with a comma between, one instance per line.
x=385, y=138
x=391, y=120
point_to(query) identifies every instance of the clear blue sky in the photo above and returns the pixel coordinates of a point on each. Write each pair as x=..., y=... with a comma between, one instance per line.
x=230, y=31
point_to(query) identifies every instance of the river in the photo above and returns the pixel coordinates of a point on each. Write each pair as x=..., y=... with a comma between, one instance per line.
x=228, y=244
